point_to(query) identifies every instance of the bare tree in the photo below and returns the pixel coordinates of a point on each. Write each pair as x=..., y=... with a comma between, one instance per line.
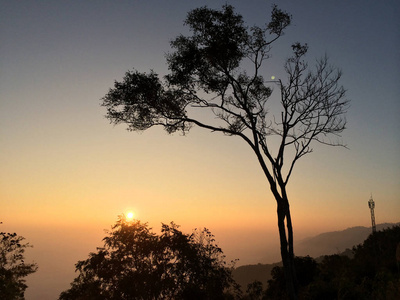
x=217, y=70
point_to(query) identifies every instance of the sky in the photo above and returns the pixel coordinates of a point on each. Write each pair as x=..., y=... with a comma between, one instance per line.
x=66, y=173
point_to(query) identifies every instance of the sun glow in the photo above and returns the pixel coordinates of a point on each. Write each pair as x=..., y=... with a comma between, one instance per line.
x=129, y=216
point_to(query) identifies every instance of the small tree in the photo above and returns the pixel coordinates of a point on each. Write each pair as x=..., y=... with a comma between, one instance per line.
x=136, y=263
x=217, y=70
x=13, y=268
x=254, y=290
x=306, y=271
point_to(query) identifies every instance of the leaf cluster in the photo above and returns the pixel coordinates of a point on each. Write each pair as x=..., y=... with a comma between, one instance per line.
x=13, y=268
x=141, y=101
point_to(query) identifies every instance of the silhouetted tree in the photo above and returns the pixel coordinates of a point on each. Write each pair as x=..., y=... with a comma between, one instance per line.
x=136, y=263
x=306, y=271
x=335, y=279
x=13, y=268
x=374, y=266
x=254, y=290
x=217, y=70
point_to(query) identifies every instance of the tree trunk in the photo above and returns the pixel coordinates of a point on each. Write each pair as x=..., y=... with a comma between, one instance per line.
x=287, y=253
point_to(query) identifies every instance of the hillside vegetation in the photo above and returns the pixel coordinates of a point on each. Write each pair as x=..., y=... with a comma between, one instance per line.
x=370, y=270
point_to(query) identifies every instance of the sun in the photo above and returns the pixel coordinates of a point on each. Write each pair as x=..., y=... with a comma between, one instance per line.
x=129, y=216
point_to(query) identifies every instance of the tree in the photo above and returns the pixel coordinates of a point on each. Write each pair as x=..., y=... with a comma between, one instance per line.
x=136, y=263
x=375, y=270
x=217, y=70
x=13, y=268
x=254, y=290
x=306, y=271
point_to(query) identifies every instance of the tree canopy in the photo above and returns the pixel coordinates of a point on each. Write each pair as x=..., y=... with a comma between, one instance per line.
x=13, y=268
x=136, y=263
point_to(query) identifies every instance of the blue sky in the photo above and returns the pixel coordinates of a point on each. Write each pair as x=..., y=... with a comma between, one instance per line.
x=64, y=168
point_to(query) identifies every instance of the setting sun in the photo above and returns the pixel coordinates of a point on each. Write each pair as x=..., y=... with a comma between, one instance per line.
x=129, y=216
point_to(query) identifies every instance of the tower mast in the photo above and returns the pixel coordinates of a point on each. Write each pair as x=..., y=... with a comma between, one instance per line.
x=371, y=205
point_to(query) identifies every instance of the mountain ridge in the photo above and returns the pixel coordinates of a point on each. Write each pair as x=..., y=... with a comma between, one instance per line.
x=327, y=243
x=335, y=242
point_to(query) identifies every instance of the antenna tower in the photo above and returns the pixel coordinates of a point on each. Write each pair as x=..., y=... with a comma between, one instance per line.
x=371, y=205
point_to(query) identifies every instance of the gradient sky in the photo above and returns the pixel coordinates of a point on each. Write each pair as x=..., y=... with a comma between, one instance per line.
x=66, y=173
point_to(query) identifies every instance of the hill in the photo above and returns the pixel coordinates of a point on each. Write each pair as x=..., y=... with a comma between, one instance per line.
x=336, y=242
x=328, y=243
x=244, y=275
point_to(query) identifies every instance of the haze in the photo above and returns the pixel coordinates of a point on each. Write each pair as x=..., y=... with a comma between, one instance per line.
x=66, y=173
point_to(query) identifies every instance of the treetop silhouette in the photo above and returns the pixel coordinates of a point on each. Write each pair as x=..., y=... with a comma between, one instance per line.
x=136, y=263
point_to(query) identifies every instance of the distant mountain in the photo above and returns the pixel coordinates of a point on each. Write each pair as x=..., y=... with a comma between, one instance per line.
x=336, y=242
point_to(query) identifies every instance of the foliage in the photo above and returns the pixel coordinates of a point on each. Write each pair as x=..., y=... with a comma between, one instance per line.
x=136, y=263
x=254, y=290
x=13, y=268
x=306, y=270
x=217, y=70
x=373, y=273
x=207, y=72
